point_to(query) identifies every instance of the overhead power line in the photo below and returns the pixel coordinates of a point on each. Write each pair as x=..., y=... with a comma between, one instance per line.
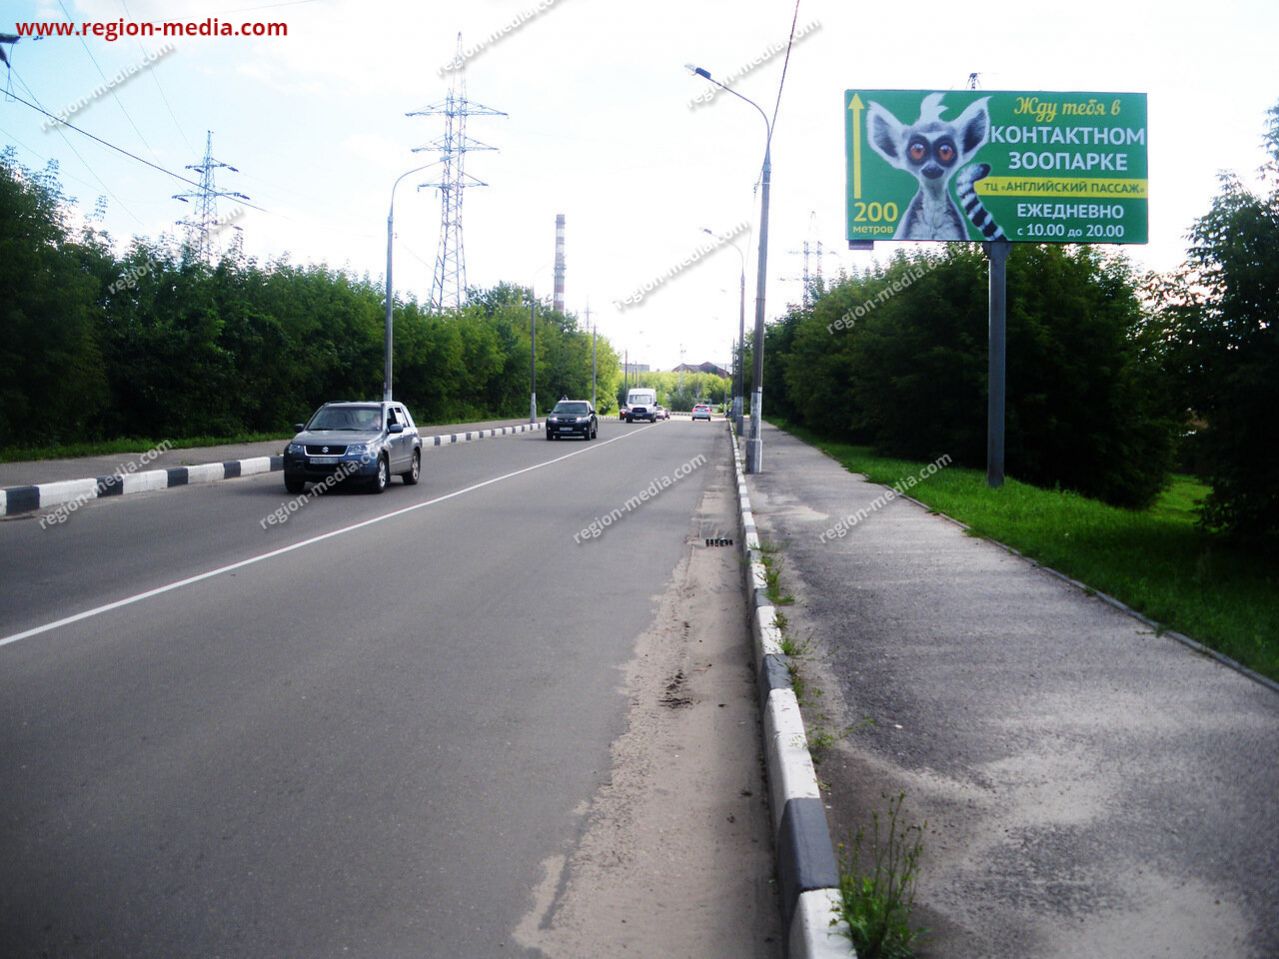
x=121, y=150
x=114, y=96
x=155, y=78
x=70, y=146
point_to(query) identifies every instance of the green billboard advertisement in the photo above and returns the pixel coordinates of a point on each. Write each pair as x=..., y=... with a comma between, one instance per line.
x=985, y=165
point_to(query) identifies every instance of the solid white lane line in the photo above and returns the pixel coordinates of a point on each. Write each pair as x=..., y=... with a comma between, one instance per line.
x=130, y=600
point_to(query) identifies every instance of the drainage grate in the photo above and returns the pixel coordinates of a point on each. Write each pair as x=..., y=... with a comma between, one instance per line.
x=719, y=542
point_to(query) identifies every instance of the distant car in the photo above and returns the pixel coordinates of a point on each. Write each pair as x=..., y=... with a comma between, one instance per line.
x=702, y=411
x=572, y=418
x=622, y=411
x=361, y=441
x=662, y=412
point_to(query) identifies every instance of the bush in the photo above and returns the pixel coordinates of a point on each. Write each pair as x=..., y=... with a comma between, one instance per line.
x=897, y=357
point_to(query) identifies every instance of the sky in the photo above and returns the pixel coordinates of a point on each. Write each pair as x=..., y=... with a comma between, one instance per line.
x=601, y=126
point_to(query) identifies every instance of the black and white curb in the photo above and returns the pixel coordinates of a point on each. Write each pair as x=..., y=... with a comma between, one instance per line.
x=26, y=499
x=448, y=439
x=806, y=867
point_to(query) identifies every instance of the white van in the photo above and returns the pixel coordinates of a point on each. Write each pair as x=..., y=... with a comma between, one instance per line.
x=641, y=404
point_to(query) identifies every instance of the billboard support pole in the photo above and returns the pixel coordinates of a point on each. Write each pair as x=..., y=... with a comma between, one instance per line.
x=997, y=251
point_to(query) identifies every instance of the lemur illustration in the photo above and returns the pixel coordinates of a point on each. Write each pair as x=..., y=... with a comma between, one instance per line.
x=932, y=150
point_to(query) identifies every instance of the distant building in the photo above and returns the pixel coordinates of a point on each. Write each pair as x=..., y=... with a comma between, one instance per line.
x=702, y=368
x=636, y=368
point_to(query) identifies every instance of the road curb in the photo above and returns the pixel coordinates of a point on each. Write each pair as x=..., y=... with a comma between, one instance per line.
x=807, y=870
x=27, y=499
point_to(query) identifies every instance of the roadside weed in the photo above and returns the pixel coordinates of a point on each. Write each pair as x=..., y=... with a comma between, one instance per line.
x=877, y=885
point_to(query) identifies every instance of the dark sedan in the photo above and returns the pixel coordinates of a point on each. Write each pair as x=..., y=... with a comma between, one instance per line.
x=572, y=418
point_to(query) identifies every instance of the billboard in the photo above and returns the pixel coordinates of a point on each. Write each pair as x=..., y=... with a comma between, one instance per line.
x=984, y=165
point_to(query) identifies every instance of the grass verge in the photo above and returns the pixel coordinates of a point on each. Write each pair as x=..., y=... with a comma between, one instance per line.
x=1157, y=561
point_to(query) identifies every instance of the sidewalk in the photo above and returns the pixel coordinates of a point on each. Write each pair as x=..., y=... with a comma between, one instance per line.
x=33, y=472
x=1091, y=789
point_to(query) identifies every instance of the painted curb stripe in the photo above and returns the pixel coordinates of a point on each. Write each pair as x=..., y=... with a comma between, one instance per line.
x=812, y=932
x=177, y=476
x=259, y=464
x=231, y=469
x=66, y=491
x=148, y=480
x=790, y=772
x=22, y=499
x=774, y=674
x=805, y=859
x=206, y=473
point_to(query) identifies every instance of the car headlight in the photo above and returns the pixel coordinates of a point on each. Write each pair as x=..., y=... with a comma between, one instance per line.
x=358, y=449
x=297, y=448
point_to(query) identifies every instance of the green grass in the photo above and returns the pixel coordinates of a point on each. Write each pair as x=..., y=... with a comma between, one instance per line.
x=1157, y=561
x=770, y=554
x=17, y=454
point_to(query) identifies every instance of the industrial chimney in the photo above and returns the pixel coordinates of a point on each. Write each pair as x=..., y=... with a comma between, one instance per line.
x=559, y=262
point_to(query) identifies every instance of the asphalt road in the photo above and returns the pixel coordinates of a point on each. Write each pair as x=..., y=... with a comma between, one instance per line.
x=363, y=740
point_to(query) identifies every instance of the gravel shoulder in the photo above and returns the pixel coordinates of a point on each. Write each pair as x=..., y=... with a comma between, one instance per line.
x=675, y=858
x=1090, y=788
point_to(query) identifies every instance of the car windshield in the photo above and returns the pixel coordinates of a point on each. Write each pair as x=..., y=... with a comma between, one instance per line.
x=355, y=418
x=577, y=408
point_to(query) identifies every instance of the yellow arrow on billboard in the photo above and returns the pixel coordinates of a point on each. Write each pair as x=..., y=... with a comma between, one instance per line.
x=856, y=105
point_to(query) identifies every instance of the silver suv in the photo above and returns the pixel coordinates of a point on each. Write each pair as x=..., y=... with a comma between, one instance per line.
x=365, y=441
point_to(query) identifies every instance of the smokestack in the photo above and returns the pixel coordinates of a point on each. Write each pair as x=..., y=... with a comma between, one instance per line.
x=559, y=262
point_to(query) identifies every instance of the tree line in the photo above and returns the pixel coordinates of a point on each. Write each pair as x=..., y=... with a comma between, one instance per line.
x=154, y=342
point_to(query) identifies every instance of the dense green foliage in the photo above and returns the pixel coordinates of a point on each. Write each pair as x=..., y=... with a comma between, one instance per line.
x=158, y=343
x=897, y=357
x=1216, y=329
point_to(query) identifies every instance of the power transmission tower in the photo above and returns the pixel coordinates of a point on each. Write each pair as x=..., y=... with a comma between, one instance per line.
x=448, y=288
x=810, y=251
x=202, y=228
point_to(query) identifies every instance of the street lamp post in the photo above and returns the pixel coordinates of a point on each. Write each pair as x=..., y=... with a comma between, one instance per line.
x=390, y=241
x=754, y=445
x=532, y=335
x=532, y=356
x=739, y=401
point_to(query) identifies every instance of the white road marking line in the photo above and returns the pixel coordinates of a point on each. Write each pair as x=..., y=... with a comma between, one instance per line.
x=130, y=600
